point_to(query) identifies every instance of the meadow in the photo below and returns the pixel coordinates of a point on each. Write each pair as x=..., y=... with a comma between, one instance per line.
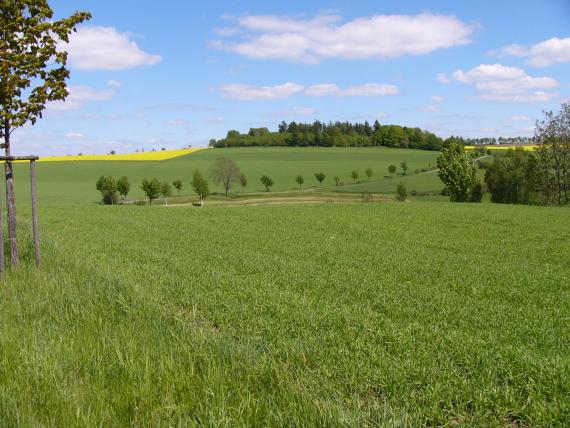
x=380, y=314
x=361, y=314
x=74, y=182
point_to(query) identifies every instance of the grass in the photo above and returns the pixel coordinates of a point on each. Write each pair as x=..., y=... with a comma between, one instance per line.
x=74, y=182
x=387, y=314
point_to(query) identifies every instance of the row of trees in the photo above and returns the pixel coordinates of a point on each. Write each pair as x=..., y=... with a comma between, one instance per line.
x=337, y=134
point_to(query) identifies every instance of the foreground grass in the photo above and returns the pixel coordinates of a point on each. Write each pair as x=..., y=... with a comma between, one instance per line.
x=371, y=314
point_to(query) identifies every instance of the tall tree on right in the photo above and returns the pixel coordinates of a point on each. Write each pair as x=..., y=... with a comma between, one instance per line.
x=457, y=171
x=553, y=156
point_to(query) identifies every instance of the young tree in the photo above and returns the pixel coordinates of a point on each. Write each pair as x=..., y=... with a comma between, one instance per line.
x=200, y=186
x=457, y=171
x=401, y=192
x=267, y=182
x=337, y=180
x=243, y=181
x=369, y=173
x=151, y=188
x=392, y=169
x=123, y=187
x=32, y=72
x=553, y=134
x=178, y=184
x=165, y=190
x=354, y=175
x=404, y=166
x=300, y=180
x=224, y=172
x=320, y=177
x=108, y=188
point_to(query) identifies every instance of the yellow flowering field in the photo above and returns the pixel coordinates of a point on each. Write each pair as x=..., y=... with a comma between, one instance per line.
x=503, y=147
x=146, y=156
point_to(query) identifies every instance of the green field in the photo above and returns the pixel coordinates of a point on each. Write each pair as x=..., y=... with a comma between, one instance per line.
x=363, y=314
x=69, y=182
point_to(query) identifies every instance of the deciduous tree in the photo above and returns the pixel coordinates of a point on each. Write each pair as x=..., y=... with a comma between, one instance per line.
x=320, y=177
x=178, y=184
x=225, y=172
x=123, y=186
x=32, y=73
x=300, y=180
x=267, y=182
x=457, y=171
x=151, y=188
x=200, y=186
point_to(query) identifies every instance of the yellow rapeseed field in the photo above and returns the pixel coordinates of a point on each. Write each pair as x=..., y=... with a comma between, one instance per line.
x=146, y=156
x=503, y=147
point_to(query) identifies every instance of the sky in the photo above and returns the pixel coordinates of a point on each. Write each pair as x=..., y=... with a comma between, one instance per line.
x=147, y=74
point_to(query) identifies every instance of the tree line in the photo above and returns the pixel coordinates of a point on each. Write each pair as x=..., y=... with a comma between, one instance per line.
x=337, y=134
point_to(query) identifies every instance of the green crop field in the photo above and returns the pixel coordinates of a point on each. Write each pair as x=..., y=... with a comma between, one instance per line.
x=68, y=182
x=331, y=314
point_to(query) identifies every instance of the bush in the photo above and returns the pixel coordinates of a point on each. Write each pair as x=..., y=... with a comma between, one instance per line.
x=401, y=192
x=445, y=191
x=476, y=193
x=110, y=198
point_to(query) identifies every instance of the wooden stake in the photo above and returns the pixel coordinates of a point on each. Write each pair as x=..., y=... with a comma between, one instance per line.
x=35, y=213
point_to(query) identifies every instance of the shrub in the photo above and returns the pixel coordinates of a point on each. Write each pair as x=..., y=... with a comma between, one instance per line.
x=165, y=190
x=392, y=169
x=369, y=172
x=401, y=192
x=320, y=177
x=337, y=181
x=110, y=198
x=267, y=182
x=476, y=192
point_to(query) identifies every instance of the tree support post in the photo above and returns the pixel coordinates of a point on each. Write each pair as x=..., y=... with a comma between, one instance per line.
x=35, y=213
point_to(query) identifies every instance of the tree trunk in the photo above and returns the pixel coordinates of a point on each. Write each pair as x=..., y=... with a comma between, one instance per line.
x=10, y=200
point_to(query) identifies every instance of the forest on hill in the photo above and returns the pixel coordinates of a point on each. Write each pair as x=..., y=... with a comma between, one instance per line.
x=337, y=134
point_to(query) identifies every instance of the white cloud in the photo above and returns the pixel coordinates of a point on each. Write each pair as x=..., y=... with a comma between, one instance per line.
x=438, y=98
x=80, y=95
x=550, y=52
x=105, y=48
x=227, y=31
x=366, y=90
x=177, y=122
x=250, y=93
x=519, y=118
x=74, y=136
x=377, y=36
x=294, y=111
x=495, y=82
x=443, y=78
x=431, y=108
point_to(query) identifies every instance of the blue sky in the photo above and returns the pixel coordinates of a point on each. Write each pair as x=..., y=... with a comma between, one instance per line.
x=171, y=73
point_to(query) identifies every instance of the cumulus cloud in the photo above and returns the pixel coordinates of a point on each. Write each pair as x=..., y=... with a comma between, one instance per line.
x=325, y=36
x=443, y=78
x=80, y=95
x=430, y=108
x=105, y=48
x=495, y=82
x=251, y=93
x=519, y=118
x=366, y=90
x=550, y=52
